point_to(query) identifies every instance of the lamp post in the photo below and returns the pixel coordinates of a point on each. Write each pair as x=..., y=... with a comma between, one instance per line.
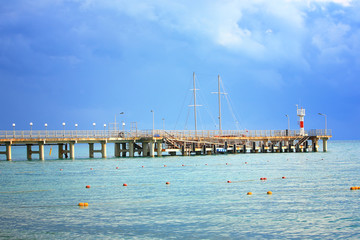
x=76, y=125
x=325, y=121
x=104, y=129
x=163, y=119
x=94, y=124
x=63, y=129
x=31, y=124
x=13, y=129
x=123, y=126
x=45, y=129
x=288, y=123
x=153, y=123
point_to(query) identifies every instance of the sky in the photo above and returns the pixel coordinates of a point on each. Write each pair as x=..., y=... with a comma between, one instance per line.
x=86, y=61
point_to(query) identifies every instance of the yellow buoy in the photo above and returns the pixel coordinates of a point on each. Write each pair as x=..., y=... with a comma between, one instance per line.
x=269, y=192
x=249, y=193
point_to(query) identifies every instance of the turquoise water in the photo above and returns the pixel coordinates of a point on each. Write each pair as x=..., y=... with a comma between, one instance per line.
x=39, y=201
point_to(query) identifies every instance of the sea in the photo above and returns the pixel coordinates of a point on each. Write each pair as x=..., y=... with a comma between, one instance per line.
x=206, y=196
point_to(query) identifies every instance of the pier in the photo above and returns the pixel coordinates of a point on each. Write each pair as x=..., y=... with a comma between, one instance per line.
x=151, y=143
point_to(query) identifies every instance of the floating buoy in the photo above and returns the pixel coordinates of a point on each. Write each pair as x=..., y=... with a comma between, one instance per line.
x=245, y=162
x=117, y=167
x=87, y=186
x=265, y=178
x=205, y=164
x=183, y=165
x=229, y=181
x=167, y=183
x=283, y=177
x=142, y=166
x=86, y=204
x=125, y=185
x=60, y=169
x=261, y=178
x=91, y=168
x=164, y=165
x=81, y=204
x=226, y=163
x=269, y=192
x=353, y=188
x=249, y=193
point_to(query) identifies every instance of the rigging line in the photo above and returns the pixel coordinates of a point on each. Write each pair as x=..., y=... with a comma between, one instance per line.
x=228, y=100
x=182, y=108
x=201, y=96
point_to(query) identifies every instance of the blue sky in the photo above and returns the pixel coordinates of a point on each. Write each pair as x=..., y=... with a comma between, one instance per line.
x=86, y=61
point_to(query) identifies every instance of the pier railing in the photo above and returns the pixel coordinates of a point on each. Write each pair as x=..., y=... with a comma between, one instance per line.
x=178, y=134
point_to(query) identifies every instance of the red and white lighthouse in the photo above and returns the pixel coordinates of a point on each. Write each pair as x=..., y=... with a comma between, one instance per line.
x=301, y=114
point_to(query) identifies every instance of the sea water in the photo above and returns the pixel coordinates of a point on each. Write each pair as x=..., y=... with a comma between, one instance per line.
x=39, y=199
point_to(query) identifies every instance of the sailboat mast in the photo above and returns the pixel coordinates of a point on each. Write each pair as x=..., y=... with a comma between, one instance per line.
x=194, y=102
x=219, y=104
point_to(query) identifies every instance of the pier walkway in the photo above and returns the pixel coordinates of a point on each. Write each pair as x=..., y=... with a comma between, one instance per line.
x=156, y=142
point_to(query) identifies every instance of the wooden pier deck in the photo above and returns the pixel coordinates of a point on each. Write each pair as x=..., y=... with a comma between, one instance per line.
x=156, y=142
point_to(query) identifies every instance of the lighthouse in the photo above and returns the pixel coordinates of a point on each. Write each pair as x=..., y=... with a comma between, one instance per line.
x=301, y=114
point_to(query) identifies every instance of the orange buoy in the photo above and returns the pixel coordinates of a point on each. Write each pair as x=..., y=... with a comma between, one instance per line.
x=249, y=193
x=142, y=166
x=269, y=192
x=229, y=181
x=87, y=186
x=357, y=188
x=261, y=179
x=183, y=165
x=86, y=204
x=283, y=177
x=125, y=185
x=81, y=204
x=353, y=188
x=167, y=183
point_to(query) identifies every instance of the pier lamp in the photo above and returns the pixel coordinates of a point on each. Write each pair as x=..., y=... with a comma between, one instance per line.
x=45, y=129
x=63, y=129
x=13, y=129
x=123, y=126
x=325, y=120
x=76, y=125
x=94, y=124
x=104, y=128
x=288, y=123
x=31, y=124
x=153, y=122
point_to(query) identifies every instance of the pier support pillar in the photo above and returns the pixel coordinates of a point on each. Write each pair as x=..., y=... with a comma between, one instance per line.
x=234, y=149
x=305, y=149
x=117, y=149
x=152, y=149
x=281, y=147
x=263, y=148
x=315, y=145
x=324, y=144
x=159, y=149
x=28, y=151
x=72, y=150
x=244, y=148
x=103, y=149
x=253, y=147
x=214, y=149
x=123, y=148
x=41, y=151
x=91, y=150
x=60, y=151
x=226, y=146
x=131, y=149
x=8, y=151
x=145, y=149
x=272, y=147
x=289, y=147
